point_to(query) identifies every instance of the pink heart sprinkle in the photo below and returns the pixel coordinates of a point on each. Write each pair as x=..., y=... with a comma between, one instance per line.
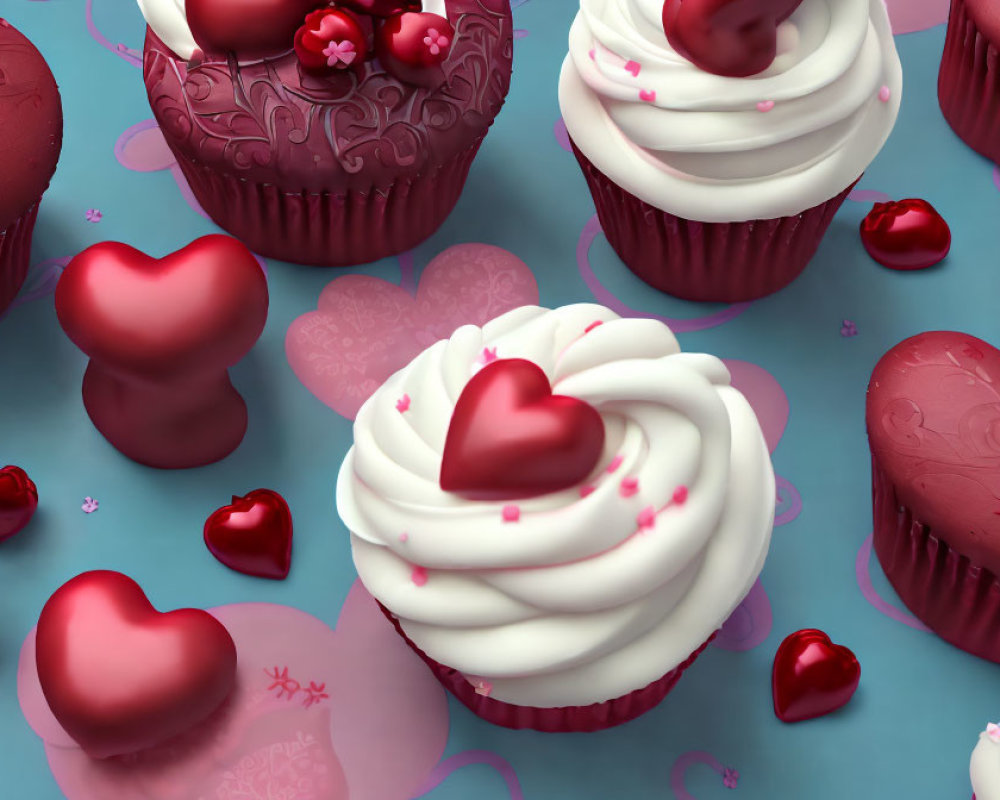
x=615, y=463
x=765, y=105
x=680, y=495
x=628, y=487
x=633, y=67
x=404, y=537
x=585, y=490
x=884, y=94
x=403, y=403
x=419, y=576
x=511, y=513
x=488, y=355
x=647, y=95
x=646, y=518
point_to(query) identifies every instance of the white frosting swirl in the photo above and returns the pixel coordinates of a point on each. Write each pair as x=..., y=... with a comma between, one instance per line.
x=168, y=21
x=984, y=768
x=700, y=147
x=572, y=604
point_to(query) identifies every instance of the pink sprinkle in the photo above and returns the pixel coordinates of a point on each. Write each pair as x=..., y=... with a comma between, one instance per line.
x=484, y=687
x=489, y=354
x=884, y=94
x=592, y=325
x=419, y=576
x=628, y=487
x=647, y=95
x=633, y=67
x=993, y=731
x=404, y=537
x=646, y=518
x=403, y=403
x=511, y=513
x=680, y=495
x=615, y=463
x=765, y=105
x=593, y=55
x=585, y=490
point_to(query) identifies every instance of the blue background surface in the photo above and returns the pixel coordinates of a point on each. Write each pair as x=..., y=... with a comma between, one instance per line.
x=909, y=730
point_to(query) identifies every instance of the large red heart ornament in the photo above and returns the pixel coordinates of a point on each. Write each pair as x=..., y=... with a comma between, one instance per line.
x=510, y=437
x=18, y=500
x=120, y=676
x=253, y=534
x=812, y=676
x=905, y=234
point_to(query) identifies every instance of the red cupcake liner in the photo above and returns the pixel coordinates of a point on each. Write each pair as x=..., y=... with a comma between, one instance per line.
x=723, y=262
x=958, y=600
x=969, y=84
x=330, y=229
x=563, y=719
x=15, y=255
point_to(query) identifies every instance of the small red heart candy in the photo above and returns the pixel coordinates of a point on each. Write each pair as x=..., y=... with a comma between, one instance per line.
x=253, y=534
x=812, y=676
x=118, y=675
x=413, y=45
x=510, y=437
x=249, y=28
x=18, y=500
x=735, y=38
x=331, y=39
x=905, y=234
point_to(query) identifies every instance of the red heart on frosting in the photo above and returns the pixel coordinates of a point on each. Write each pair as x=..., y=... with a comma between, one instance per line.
x=118, y=675
x=735, y=38
x=812, y=676
x=18, y=500
x=905, y=234
x=253, y=534
x=510, y=437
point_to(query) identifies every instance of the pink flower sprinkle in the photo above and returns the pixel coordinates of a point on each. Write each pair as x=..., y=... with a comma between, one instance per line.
x=488, y=355
x=419, y=576
x=483, y=687
x=404, y=537
x=593, y=325
x=435, y=41
x=646, y=518
x=647, y=95
x=680, y=495
x=588, y=488
x=884, y=94
x=633, y=67
x=628, y=487
x=340, y=52
x=403, y=403
x=94, y=215
x=615, y=463
x=765, y=105
x=993, y=731
x=511, y=513
x=730, y=777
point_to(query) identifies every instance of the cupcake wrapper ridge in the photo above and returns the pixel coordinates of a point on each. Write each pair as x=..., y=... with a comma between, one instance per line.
x=15, y=255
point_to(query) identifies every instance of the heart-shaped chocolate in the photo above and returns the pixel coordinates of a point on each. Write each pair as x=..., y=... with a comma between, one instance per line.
x=18, y=500
x=905, y=234
x=118, y=675
x=510, y=437
x=734, y=38
x=812, y=676
x=253, y=534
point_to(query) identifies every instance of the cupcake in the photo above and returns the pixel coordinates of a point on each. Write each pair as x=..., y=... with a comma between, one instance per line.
x=718, y=145
x=31, y=132
x=328, y=134
x=967, y=87
x=984, y=766
x=933, y=417
x=557, y=511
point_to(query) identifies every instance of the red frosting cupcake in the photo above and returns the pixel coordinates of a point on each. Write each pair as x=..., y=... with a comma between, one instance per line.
x=328, y=134
x=968, y=88
x=933, y=415
x=31, y=132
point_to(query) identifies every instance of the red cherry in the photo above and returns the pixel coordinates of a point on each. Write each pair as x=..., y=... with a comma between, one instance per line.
x=905, y=234
x=249, y=28
x=18, y=500
x=812, y=676
x=331, y=40
x=118, y=675
x=413, y=45
x=380, y=8
x=510, y=437
x=735, y=38
x=253, y=534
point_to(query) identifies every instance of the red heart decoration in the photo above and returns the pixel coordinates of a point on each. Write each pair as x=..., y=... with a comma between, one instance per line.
x=18, y=500
x=118, y=675
x=251, y=28
x=510, y=437
x=253, y=534
x=812, y=676
x=905, y=234
x=413, y=45
x=735, y=38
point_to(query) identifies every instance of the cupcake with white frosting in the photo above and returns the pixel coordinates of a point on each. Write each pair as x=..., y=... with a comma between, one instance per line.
x=984, y=766
x=558, y=510
x=717, y=145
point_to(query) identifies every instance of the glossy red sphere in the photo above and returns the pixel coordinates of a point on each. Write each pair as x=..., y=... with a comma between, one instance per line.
x=249, y=28
x=18, y=500
x=253, y=534
x=906, y=234
x=812, y=676
x=413, y=45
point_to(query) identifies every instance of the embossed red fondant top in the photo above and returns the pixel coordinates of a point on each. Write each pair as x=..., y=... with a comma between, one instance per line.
x=30, y=124
x=933, y=415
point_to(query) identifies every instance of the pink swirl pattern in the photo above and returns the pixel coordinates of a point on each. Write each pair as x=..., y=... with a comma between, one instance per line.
x=695, y=757
x=862, y=571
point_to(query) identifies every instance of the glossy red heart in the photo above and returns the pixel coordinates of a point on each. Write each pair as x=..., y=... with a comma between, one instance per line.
x=735, y=38
x=250, y=28
x=18, y=500
x=812, y=676
x=905, y=234
x=413, y=45
x=118, y=675
x=510, y=437
x=253, y=534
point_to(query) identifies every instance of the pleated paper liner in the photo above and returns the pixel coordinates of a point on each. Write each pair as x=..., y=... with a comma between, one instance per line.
x=15, y=255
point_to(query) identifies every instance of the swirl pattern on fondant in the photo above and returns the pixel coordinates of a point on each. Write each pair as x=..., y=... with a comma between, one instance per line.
x=583, y=595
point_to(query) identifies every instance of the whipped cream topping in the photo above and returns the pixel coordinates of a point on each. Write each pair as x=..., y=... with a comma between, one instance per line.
x=984, y=766
x=168, y=21
x=718, y=149
x=585, y=594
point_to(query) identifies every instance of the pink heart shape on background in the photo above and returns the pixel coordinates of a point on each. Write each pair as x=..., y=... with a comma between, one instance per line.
x=365, y=328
